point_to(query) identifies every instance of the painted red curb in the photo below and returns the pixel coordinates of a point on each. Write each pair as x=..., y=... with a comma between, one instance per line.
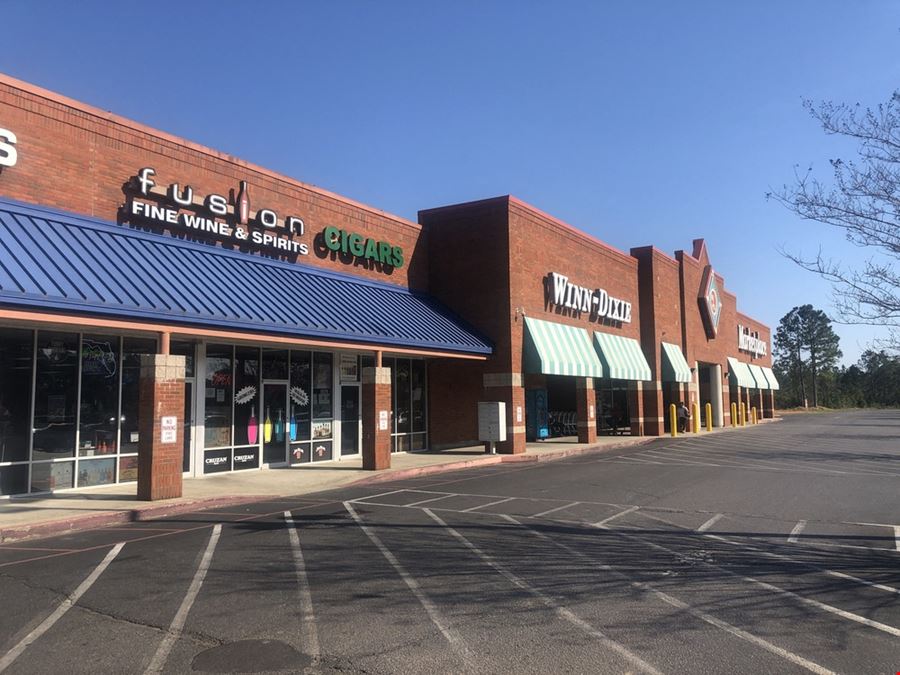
x=49, y=528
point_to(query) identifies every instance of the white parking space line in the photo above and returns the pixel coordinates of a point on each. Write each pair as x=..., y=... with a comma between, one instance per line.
x=709, y=523
x=177, y=625
x=795, y=533
x=484, y=506
x=449, y=633
x=639, y=460
x=58, y=613
x=603, y=522
x=891, y=630
x=554, y=510
x=560, y=610
x=432, y=499
x=679, y=604
x=897, y=537
x=381, y=494
x=779, y=556
x=307, y=615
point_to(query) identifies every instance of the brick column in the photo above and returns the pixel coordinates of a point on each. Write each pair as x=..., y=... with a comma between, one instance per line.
x=653, y=412
x=769, y=404
x=160, y=450
x=510, y=388
x=636, y=408
x=376, y=418
x=585, y=405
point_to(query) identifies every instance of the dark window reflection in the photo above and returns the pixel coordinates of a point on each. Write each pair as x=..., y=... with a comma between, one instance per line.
x=218, y=396
x=323, y=386
x=16, y=353
x=300, y=396
x=185, y=349
x=99, y=399
x=417, y=392
x=275, y=364
x=402, y=408
x=132, y=349
x=56, y=391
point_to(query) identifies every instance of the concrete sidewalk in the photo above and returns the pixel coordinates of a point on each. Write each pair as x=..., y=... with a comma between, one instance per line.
x=47, y=515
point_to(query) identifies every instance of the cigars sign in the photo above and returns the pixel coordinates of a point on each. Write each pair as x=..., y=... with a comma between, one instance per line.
x=215, y=215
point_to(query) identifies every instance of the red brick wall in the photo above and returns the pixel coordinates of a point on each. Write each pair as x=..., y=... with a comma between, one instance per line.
x=78, y=158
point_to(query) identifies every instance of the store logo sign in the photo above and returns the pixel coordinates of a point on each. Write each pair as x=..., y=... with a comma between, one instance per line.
x=8, y=154
x=598, y=303
x=214, y=215
x=351, y=243
x=710, y=301
x=750, y=342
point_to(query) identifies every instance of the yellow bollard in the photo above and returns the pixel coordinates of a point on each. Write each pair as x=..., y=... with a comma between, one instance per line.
x=673, y=419
x=743, y=414
x=709, y=416
x=753, y=417
x=695, y=418
x=734, y=420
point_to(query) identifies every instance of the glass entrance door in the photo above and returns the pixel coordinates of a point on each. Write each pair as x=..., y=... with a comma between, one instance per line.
x=349, y=419
x=272, y=422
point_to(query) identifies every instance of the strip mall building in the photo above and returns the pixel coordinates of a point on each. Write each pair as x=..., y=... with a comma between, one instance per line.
x=167, y=310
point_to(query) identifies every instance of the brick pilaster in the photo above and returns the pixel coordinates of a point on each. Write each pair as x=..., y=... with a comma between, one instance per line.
x=510, y=388
x=585, y=406
x=376, y=418
x=636, y=408
x=161, y=395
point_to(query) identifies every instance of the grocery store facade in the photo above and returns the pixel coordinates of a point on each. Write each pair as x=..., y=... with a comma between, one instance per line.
x=167, y=310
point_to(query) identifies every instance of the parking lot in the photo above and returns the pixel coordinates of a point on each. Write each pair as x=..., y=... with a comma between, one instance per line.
x=770, y=549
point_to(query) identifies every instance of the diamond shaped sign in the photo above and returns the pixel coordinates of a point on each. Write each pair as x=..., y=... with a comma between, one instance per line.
x=710, y=301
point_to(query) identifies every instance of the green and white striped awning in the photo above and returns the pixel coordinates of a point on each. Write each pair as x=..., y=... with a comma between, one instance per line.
x=740, y=374
x=770, y=376
x=622, y=357
x=759, y=376
x=674, y=366
x=557, y=349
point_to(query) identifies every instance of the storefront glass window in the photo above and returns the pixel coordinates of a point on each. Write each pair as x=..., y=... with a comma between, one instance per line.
x=275, y=364
x=56, y=393
x=132, y=349
x=218, y=396
x=417, y=393
x=403, y=407
x=99, y=413
x=323, y=386
x=246, y=396
x=16, y=354
x=185, y=349
x=300, y=399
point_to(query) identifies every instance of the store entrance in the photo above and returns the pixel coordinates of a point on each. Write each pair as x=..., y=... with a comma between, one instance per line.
x=350, y=420
x=272, y=422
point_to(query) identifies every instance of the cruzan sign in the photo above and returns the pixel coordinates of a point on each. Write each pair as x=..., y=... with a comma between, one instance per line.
x=597, y=302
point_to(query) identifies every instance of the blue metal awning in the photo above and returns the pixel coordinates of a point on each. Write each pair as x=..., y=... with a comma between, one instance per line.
x=55, y=261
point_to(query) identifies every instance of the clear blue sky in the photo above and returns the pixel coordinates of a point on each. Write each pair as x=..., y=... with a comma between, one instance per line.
x=639, y=122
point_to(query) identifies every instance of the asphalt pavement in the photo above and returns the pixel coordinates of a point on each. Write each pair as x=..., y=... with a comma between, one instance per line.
x=773, y=550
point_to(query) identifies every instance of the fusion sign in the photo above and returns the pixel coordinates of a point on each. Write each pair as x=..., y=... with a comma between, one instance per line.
x=214, y=215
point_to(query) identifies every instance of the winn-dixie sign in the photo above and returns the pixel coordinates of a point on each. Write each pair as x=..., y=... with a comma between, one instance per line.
x=600, y=304
x=213, y=215
x=751, y=343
